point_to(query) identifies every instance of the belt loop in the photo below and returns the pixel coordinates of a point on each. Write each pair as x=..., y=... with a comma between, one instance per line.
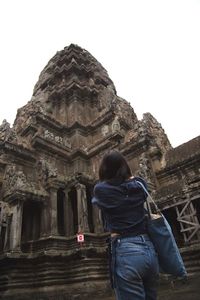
x=142, y=237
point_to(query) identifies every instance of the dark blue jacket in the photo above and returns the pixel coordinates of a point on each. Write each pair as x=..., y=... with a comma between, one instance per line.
x=122, y=205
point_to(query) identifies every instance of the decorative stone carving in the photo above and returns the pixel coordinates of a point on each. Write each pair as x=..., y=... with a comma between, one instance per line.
x=9, y=134
x=105, y=130
x=58, y=139
x=151, y=126
x=4, y=130
x=142, y=130
x=46, y=171
x=5, y=211
x=125, y=112
x=106, y=98
x=131, y=135
x=13, y=137
x=67, y=143
x=25, y=114
x=15, y=179
x=48, y=135
x=144, y=167
x=115, y=125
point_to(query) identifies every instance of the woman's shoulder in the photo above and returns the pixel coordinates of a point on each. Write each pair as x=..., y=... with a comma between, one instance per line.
x=100, y=184
x=141, y=180
x=135, y=179
x=136, y=182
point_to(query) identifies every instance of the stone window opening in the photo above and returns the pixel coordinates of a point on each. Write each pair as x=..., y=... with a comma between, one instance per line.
x=2, y=234
x=31, y=221
x=171, y=216
x=196, y=204
x=60, y=211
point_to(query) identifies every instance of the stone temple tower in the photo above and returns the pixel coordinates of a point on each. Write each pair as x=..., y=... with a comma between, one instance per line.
x=48, y=166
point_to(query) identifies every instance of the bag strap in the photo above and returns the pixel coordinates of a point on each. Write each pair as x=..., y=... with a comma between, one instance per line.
x=148, y=200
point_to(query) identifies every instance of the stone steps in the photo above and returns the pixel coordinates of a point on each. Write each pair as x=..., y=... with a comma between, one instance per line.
x=191, y=258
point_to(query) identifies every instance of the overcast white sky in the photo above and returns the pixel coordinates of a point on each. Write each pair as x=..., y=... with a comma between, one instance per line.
x=151, y=50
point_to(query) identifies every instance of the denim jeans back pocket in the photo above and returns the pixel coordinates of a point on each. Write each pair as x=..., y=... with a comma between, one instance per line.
x=130, y=248
x=131, y=261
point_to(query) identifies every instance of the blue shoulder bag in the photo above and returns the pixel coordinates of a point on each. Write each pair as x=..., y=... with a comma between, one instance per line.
x=160, y=233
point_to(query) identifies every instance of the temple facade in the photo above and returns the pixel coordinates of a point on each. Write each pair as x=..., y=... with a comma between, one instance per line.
x=49, y=163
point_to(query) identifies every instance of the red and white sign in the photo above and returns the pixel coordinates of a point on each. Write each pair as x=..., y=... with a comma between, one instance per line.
x=80, y=238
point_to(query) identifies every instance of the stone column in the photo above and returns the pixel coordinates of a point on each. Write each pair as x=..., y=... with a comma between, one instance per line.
x=82, y=208
x=53, y=228
x=16, y=227
x=68, y=215
x=8, y=232
x=45, y=219
x=97, y=220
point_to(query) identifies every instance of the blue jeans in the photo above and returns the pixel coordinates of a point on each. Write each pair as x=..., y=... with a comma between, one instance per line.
x=135, y=268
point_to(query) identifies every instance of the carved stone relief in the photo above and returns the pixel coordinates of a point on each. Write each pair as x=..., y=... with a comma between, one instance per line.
x=46, y=171
x=125, y=112
x=14, y=179
x=115, y=125
x=4, y=212
x=58, y=139
x=105, y=98
x=4, y=130
x=145, y=168
x=105, y=130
